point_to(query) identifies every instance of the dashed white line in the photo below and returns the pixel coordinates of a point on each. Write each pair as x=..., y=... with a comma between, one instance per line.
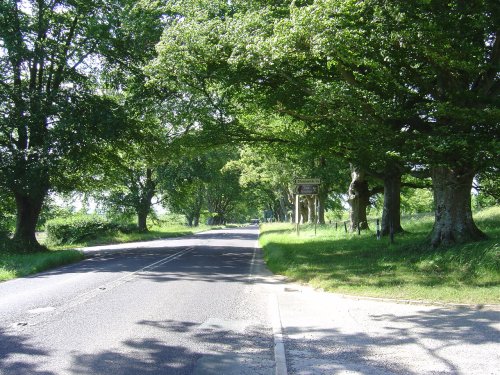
x=86, y=296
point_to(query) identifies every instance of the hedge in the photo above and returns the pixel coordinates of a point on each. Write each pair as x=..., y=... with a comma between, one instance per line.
x=81, y=229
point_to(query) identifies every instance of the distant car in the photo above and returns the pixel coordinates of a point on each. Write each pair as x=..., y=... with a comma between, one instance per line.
x=254, y=221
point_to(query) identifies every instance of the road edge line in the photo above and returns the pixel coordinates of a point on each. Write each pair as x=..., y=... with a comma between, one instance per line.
x=279, y=344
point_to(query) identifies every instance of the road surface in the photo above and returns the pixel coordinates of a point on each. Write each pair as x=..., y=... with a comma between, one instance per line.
x=206, y=304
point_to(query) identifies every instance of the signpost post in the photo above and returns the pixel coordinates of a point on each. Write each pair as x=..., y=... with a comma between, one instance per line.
x=306, y=186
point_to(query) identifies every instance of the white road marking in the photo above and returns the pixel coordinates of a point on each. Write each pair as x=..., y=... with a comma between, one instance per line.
x=41, y=310
x=122, y=280
x=279, y=345
x=86, y=296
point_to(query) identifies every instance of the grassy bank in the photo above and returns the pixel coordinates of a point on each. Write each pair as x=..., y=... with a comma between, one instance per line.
x=407, y=269
x=17, y=265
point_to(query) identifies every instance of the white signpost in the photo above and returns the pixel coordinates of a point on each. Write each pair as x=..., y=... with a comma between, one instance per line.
x=305, y=186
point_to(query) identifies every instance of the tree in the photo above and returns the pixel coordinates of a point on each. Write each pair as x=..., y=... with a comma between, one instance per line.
x=55, y=124
x=222, y=195
x=423, y=75
x=200, y=179
x=184, y=182
x=442, y=59
x=400, y=85
x=268, y=172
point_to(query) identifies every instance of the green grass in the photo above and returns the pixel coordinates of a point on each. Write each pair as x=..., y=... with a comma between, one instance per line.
x=14, y=265
x=407, y=269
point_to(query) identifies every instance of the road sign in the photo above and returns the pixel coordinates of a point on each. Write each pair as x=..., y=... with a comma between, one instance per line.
x=307, y=181
x=306, y=189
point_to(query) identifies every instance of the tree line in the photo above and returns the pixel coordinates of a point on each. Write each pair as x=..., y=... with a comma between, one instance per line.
x=128, y=98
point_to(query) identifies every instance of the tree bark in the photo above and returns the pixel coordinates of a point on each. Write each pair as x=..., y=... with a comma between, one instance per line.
x=453, y=213
x=218, y=219
x=322, y=197
x=303, y=211
x=142, y=217
x=282, y=209
x=311, y=209
x=391, y=214
x=359, y=199
x=28, y=212
x=147, y=192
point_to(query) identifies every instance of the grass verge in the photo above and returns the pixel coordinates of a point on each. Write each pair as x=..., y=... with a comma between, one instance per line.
x=407, y=269
x=155, y=233
x=14, y=265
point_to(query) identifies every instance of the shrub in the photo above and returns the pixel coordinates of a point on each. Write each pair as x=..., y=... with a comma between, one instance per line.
x=82, y=228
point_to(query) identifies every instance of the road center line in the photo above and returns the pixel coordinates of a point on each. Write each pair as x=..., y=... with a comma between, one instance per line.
x=113, y=284
x=86, y=296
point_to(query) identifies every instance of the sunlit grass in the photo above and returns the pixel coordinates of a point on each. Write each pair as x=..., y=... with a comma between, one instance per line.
x=14, y=265
x=408, y=269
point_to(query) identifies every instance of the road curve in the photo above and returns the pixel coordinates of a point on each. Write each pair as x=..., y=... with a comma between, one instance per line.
x=178, y=306
x=206, y=304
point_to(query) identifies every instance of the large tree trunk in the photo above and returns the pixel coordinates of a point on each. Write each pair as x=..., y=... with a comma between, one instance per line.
x=218, y=219
x=391, y=214
x=303, y=211
x=359, y=199
x=322, y=197
x=147, y=192
x=283, y=209
x=452, y=201
x=311, y=209
x=193, y=218
x=142, y=217
x=28, y=212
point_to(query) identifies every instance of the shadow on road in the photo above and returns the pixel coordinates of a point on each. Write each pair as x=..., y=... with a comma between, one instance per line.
x=214, y=258
x=309, y=350
x=145, y=356
x=418, y=343
x=212, y=351
x=209, y=264
x=15, y=345
x=421, y=343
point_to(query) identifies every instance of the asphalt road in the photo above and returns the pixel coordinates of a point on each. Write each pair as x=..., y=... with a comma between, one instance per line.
x=162, y=307
x=206, y=304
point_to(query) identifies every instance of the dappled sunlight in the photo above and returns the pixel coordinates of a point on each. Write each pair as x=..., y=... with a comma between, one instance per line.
x=363, y=265
x=214, y=349
x=15, y=344
x=367, y=336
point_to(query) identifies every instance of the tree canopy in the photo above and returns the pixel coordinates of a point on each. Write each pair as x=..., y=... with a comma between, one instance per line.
x=114, y=95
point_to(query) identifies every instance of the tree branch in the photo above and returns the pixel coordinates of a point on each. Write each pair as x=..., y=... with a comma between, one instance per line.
x=486, y=81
